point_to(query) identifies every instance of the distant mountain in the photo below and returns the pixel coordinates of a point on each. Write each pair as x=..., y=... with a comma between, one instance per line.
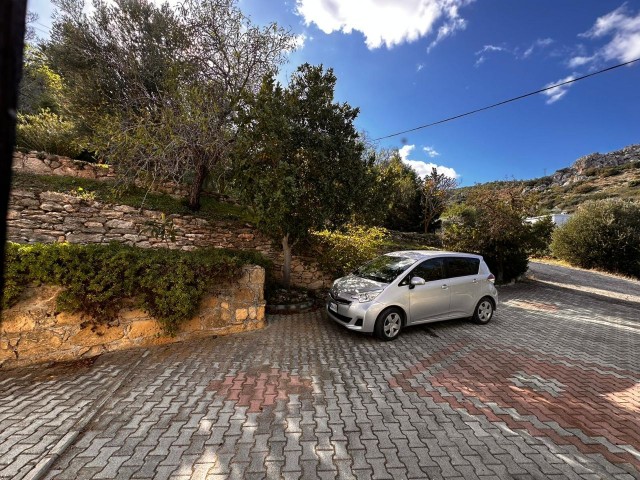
x=592, y=177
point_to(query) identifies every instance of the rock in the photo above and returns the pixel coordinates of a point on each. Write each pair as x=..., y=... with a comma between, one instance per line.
x=121, y=224
x=144, y=328
x=76, y=237
x=101, y=334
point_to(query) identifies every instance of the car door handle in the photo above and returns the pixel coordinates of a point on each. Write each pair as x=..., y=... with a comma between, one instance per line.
x=475, y=280
x=444, y=287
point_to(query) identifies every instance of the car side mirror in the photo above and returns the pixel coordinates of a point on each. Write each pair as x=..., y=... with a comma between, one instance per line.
x=416, y=281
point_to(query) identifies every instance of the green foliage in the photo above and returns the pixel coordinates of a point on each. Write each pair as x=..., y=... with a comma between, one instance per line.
x=602, y=234
x=391, y=194
x=302, y=165
x=107, y=192
x=49, y=132
x=341, y=251
x=40, y=87
x=168, y=284
x=584, y=188
x=491, y=223
x=162, y=229
x=539, y=238
x=634, y=183
x=159, y=87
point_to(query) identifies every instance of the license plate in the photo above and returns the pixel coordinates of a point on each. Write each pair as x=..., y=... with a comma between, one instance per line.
x=333, y=307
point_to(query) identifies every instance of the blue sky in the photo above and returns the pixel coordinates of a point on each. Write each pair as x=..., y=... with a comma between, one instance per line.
x=406, y=63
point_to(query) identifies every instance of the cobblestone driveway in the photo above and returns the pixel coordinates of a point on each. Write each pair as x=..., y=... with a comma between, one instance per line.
x=549, y=389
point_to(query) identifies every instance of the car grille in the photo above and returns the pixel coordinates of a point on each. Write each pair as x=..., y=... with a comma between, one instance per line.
x=339, y=300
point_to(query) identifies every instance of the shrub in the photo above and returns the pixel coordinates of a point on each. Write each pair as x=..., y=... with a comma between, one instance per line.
x=611, y=171
x=634, y=183
x=344, y=250
x=584, y=188
x=49, y=132
x=491, y=223
x=168, y=284
x=602, y=234
x=539, y=237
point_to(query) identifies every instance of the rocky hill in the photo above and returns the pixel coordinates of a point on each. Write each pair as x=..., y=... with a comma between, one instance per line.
x=592, y=177
x=584, y=167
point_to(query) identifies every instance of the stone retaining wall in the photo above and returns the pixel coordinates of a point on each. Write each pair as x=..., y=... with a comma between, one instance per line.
x=50, y=217
x=33, y=331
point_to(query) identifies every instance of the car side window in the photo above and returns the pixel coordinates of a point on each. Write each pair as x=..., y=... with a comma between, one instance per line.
x=430, y=270
x=462, y=266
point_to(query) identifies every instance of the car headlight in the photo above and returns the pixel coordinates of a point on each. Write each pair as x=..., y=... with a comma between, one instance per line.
x=366, y=296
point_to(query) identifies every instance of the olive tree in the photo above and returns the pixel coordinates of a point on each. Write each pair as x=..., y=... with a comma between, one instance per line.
x=159, y=89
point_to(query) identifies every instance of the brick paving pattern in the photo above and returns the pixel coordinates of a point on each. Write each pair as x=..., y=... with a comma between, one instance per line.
x=549, y=389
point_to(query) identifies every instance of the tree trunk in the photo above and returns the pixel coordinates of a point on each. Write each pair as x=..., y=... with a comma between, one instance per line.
x=196, y=187
x=286, y=266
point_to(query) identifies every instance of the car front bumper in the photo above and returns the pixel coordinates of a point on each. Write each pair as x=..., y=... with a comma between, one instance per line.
x=354, y=316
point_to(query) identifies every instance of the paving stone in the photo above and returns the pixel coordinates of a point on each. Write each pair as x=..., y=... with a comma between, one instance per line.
x=540, y=392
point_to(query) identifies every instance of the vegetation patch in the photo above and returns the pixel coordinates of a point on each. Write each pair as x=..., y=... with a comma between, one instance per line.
x=167, y=284
x=604, y=235
x=109, y=192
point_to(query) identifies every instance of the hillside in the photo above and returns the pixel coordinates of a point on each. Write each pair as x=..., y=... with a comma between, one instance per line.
x=592, y=177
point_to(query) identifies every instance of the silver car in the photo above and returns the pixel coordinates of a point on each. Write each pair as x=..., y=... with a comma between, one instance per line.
x=407, y=288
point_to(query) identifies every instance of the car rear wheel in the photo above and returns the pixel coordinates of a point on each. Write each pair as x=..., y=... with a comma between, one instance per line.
x=389, y=324
x=484, y=311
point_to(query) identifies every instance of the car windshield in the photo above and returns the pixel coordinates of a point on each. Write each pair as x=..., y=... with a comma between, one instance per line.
x=384, y=269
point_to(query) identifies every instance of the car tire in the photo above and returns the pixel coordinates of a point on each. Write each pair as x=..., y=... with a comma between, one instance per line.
x=483, y=312
x=389, y=324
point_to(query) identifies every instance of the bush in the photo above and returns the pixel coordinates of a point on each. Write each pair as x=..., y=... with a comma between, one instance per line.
x=49, y=132
x=168, y=284
x=584, y=188
x=341, y=252
x=539, y=238
x=491, y=223
x=602, y=234
x=634, y=183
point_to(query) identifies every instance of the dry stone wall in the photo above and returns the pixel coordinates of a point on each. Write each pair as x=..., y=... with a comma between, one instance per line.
x=49, y=217
x=33, y=331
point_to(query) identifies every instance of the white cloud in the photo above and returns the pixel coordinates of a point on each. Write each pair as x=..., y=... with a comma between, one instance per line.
x=385, y=22
x=538, y=44
x=579, y=61
x=300, y=41
x=430, y=151
x=482, y=53
x=423, y=168
x=419, y=67
x=623, y=29
x=555, y=94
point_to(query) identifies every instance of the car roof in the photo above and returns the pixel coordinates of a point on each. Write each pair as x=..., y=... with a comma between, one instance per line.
x=424, y=254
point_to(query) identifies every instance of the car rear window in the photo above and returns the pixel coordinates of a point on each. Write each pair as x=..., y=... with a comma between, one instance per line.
x=462, y=266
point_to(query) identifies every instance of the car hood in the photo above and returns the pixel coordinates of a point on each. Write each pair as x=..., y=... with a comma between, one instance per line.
x=351, y=284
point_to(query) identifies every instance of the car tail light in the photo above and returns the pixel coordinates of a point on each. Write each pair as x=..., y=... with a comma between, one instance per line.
x=491, y=278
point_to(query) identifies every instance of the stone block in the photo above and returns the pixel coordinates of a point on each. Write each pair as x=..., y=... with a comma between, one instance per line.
x=242, y=314
x=69, y=319
x=38, y=343
x=98, y=335
x=76, y=237
x=120, y=224
x=144, y=328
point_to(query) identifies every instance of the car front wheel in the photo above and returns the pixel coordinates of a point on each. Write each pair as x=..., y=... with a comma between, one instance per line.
x=484, y=311
x=389, y=324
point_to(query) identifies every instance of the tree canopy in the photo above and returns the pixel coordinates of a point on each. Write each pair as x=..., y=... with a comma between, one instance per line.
x=303, y=167
x=159, y=89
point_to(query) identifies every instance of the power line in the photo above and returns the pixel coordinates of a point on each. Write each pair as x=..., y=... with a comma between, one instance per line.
x=519, y=97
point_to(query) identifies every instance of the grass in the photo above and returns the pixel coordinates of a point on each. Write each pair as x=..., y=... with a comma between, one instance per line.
x=110, y=192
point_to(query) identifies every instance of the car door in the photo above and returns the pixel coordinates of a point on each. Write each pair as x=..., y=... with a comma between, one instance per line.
x=429, y=302
x=462, y=277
